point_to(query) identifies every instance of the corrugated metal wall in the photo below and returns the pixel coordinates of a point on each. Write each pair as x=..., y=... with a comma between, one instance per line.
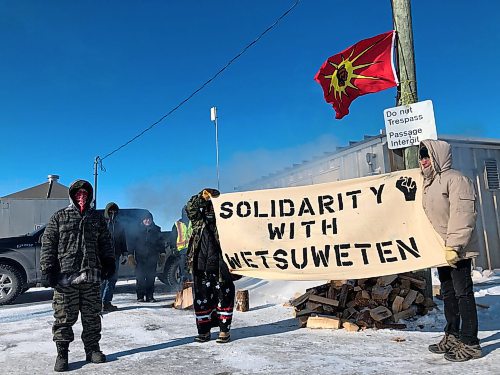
x=370, y=157
x=21, y=216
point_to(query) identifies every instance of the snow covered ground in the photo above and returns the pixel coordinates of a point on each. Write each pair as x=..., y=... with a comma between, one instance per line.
x=156, y=339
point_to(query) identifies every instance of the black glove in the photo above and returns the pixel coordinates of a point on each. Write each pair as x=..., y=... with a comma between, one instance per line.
x=49, y=278
x=108, y=268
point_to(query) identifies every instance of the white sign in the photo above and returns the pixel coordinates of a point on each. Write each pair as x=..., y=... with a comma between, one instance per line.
x=407, y=125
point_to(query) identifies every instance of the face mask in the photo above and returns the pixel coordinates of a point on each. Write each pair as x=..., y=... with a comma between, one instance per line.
x=81, y=198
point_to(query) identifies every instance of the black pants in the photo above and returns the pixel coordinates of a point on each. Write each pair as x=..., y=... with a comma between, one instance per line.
x=459, y=302
x=213, y=302
x=145, y=274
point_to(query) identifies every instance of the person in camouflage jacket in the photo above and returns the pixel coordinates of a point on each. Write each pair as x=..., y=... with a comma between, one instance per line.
x=76, y=255
x=213, y=286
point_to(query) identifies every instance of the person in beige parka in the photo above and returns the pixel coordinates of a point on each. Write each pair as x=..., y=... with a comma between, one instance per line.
x=449, y=201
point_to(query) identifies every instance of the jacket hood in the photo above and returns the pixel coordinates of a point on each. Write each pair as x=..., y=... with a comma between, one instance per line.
x=109, y=206
x=81, y=184
x=439, y=153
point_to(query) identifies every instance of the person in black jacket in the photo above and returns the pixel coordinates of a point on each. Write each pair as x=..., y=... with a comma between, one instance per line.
x=147, y=246
x=76, y=255
x=119, y=244
x=213, y=285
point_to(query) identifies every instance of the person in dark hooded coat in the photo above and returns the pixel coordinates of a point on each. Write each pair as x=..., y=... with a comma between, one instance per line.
x=147, y=246
x=119, y=243
x=76, y=255
x=213, y=284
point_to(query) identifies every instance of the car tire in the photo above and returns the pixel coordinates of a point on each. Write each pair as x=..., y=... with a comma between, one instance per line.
x=171, y=274
x=11, y=284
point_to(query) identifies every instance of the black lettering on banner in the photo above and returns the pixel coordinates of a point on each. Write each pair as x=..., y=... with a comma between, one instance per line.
x=324, y=203
x=383, y=252
x=248, y=262
x=262, y=254
x=281, y=263
x=325, y=226
x=363, y=247
x=226, y=209
x=306, y=207
x=354, y=197
x=256, y=210
x=320, y=255
x=308, y=224
x=378, y=193
x=342, y=254
x=402, y=247
x=304, y=258
x=233, y=262
x=340, y=201
x=281, y=230
x=291, y=207
x=275, y=231
x=247, y=206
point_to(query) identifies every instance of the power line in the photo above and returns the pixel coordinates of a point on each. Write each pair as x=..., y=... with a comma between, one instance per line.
x=99, y=159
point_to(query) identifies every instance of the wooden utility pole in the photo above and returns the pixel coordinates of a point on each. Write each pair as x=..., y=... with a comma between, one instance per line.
x=406, y=158
x=407, y=90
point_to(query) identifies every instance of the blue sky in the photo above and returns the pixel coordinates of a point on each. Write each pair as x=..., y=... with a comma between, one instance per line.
x=80, y=78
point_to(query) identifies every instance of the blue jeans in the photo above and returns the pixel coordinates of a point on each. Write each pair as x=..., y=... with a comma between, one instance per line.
x=108, y=286
x=459, y=302
x=184, y=274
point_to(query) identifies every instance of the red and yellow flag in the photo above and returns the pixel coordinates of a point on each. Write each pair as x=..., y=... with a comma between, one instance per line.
x=363, y=68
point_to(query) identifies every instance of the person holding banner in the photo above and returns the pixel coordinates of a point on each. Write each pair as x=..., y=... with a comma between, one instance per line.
x=449, y=201
x=212, y=283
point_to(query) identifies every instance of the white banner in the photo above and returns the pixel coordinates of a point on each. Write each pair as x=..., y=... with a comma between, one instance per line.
x=365, y=227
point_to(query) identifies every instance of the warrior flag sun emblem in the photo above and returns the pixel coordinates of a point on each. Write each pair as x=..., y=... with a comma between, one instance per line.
x=363, y=68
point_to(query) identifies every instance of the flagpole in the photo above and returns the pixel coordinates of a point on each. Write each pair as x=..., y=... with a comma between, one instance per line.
x=213, y=117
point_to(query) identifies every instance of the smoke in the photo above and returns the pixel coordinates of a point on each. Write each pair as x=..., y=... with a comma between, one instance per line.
x=166, y=196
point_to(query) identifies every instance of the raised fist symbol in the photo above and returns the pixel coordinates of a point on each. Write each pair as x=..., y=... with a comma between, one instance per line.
x=408, y=187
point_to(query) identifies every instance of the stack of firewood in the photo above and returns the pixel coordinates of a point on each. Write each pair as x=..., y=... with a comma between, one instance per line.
x=366, y=303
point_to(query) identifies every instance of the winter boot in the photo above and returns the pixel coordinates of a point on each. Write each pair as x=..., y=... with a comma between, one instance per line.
x=447, y=343
x=108, y=307
x=463, y=352
x=223, y=338
x=94, y=355
x=62, y=356
x=202, y=337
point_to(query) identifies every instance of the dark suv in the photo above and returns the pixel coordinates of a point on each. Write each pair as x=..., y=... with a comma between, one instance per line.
x=20, y=259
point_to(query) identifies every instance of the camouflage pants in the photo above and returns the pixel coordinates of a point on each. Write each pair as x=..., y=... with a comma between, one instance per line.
x=67, y=303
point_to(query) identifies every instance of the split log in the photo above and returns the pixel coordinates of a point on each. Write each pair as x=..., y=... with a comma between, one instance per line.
x=404, y=287
x=303, y=321
x=323, y=322
x=304, y=312
x=409, y=299
x=420, y=298
x=405, y=314
x=323, y=300
x=397, y=304
x=302, y=299
x=242, y=301
x=380, y=313
x=343, y=295
x=386, y=280
x=184, y=298
x=381, y=293
x=350, y=326
x=314, y=306
x=419, y=283
x=364, y=319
